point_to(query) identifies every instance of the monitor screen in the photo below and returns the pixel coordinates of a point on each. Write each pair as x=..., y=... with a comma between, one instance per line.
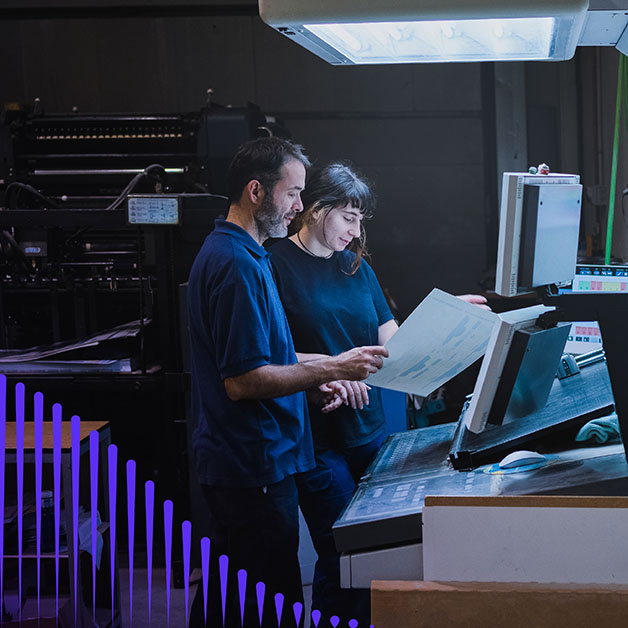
x=538, y=246
x=538, y=231
x=518, y=369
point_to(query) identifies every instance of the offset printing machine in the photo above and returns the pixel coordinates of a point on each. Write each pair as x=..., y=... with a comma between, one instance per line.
x=101, y=216
x=528, y=396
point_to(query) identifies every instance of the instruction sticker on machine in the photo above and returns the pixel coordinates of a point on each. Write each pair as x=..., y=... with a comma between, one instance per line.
x=442, y=337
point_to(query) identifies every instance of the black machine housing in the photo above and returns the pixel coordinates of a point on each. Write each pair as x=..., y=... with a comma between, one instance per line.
x=73, y=267
x=70, y=264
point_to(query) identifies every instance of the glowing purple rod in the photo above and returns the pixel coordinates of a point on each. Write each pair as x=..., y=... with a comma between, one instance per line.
x=168, y=511
x=93, y=476
x=112, y=452
x=76, y=469
x=223, y=567
x=149, y=498
x=3, y=424
x=242, y=575
x=205, y=551
x=56, y=467
x=19, y=441
x=38, y=399
x=130, y=496
x=316, y=617
x=260, y=589
x=279, y=607
x=186, y=533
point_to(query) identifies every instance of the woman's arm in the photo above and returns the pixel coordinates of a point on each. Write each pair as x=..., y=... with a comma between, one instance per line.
x=386, y=331
x=308, y=357
x=475, y=299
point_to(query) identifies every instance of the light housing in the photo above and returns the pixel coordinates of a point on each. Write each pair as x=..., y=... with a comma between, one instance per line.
x=350, y=32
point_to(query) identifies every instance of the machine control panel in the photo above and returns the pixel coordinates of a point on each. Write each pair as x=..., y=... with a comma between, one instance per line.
x=153, y=209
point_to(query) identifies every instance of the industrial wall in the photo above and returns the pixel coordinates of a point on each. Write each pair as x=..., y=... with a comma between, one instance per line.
x=598, y=92
x=415, y=130
x=421, y=132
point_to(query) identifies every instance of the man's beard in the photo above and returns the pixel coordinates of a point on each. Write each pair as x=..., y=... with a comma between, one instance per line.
x=269, y=220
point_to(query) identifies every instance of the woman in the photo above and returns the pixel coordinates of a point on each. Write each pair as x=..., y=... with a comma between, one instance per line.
x=333, y=303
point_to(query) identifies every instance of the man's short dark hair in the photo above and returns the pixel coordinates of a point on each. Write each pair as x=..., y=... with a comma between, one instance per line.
x=261, y=159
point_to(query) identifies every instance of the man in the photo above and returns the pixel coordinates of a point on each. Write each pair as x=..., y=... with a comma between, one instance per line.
x=252, y=432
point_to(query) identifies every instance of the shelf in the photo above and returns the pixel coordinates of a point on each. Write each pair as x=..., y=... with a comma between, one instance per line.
x=43, y=555
x=30, y=553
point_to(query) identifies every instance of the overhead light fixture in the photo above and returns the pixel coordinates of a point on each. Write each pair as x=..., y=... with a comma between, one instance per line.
x=348, y=32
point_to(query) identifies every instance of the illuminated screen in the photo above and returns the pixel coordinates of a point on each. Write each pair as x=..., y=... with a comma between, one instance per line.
x=153, y=210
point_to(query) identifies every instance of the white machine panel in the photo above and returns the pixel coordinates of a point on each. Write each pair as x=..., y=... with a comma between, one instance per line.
x=394, y=563
x=526, y=539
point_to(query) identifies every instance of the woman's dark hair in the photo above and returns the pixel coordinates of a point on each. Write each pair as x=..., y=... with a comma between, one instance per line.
x=336, y=185
x=261, y=159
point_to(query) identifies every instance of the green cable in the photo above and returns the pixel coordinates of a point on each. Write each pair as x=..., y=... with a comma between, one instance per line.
x=626, y=89
x=611, y=195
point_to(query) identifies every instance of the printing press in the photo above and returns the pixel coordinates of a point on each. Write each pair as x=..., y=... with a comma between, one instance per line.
x=101, y=217
x=528, y=396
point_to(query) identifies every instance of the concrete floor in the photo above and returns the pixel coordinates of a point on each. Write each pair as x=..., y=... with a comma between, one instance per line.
x=158, y=607
x=140, y=612
x=159, y=618
x=158, y=610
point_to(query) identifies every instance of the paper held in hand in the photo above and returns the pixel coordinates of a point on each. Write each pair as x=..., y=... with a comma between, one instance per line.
x=442, y=337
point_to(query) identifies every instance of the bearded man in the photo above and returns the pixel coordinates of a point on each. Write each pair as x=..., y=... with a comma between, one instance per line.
x=252, y=432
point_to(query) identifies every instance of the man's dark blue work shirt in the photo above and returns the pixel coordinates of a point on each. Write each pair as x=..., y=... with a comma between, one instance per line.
x=237, y=324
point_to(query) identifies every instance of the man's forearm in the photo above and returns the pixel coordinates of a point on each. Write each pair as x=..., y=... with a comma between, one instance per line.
x=272, y=380
x=276, y=381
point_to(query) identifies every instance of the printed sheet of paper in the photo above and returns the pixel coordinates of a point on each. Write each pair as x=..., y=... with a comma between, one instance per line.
x=442, y=337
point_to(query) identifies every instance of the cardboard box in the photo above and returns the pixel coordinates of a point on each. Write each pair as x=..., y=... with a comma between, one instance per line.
x=423, y=604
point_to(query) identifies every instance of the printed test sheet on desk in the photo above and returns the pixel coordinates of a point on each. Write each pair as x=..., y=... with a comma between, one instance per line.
x=442, y=337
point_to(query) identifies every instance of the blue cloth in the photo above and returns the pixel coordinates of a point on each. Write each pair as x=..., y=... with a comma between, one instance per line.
x=259, y=532
x=602, y=430
x=331, y=311
x=323, y=494
x=237, y=324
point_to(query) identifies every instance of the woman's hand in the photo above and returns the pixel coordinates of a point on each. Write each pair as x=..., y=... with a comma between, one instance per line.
x=334, y=394
x=329, y=396
x=475, y=299
x=357, y=393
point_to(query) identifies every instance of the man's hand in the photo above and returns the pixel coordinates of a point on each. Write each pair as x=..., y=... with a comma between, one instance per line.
x=358, y=363
x=330, y=396
x=475, y=299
